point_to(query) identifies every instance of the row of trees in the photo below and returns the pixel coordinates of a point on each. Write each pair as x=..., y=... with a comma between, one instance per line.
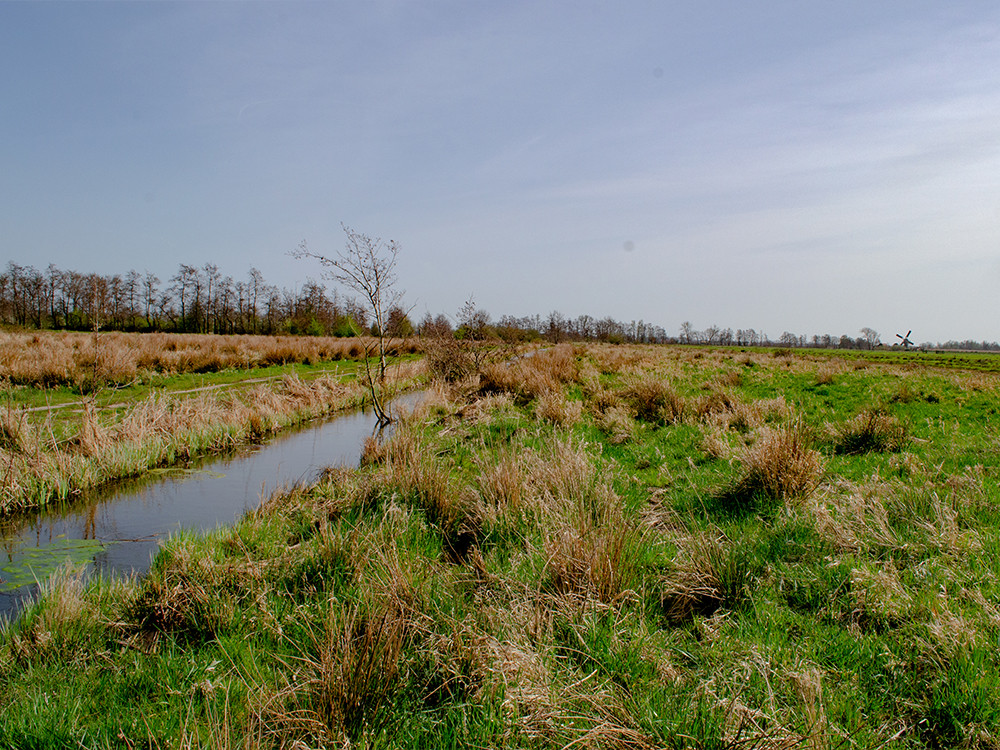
x=204, y=300
x=194, y=300
x=867, y=338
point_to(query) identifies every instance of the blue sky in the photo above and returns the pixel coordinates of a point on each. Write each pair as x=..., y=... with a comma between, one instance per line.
x=811, y=167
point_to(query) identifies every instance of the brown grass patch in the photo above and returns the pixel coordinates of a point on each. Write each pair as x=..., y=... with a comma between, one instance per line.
x=653, y=400
x=714, y=403
x=780, y=464
x=871, y=431
x=554, y=407
x=87, y=360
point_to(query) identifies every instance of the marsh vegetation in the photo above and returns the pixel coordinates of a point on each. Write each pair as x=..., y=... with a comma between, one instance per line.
x=596, y=546
x=79, y=410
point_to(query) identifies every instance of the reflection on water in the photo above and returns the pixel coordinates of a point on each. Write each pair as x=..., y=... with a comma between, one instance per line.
x=126, y=522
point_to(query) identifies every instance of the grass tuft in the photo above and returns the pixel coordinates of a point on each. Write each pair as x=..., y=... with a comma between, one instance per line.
x=780, y=465
x=871, y=431
x=653, y=400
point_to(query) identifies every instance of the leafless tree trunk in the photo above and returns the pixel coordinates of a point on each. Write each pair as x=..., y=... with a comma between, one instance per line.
x=367, y=265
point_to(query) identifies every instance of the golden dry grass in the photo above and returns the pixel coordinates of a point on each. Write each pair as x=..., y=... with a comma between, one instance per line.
x=37, y=466
x=779, y=464
x=86, y=360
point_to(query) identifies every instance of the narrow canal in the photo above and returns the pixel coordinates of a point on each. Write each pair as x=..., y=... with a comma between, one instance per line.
x=116, y=530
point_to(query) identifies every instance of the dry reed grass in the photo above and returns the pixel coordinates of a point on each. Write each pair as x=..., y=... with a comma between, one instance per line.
x=614, y=359
x=744, y=417
x=589, y=560
x=87, y=360
x=35, y=466
x=779, y=464
x=870, y=431
x=880, y=598
x=182, y=596
x=528, y=378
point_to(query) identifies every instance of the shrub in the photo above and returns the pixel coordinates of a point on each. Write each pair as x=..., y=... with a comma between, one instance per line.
x=447, y=359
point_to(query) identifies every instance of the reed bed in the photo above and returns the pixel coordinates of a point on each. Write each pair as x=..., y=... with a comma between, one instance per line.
x=87, y=360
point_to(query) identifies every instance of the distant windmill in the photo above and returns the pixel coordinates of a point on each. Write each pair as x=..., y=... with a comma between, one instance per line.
x=906, y=339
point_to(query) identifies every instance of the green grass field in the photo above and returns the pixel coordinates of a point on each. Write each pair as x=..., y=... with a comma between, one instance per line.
x=592, y=547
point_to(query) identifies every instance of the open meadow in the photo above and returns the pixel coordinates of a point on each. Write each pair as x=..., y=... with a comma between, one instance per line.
x=594, y=546
x=78, y=410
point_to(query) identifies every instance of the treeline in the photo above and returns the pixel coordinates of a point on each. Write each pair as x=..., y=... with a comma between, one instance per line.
x=986, y=346
x=867, y=339
x=204, y=300
x=475, y=323
x=194, y=300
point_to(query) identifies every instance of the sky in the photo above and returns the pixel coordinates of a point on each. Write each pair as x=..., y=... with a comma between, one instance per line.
x=813, y=167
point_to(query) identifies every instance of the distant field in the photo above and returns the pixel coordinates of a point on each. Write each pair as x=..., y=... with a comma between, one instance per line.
x=597, y=546
x=980, y=361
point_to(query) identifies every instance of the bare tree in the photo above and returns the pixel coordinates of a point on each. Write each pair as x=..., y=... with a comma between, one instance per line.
x=870, y=336
x=367, y=265
x=150, y=292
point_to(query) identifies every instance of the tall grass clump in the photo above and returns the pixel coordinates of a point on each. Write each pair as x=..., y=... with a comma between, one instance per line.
x=708, y=572
x=554, y=407
x=780, y=464
x=591, y=548
x=355, y=668
x=653, y=400
x=871, y=431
